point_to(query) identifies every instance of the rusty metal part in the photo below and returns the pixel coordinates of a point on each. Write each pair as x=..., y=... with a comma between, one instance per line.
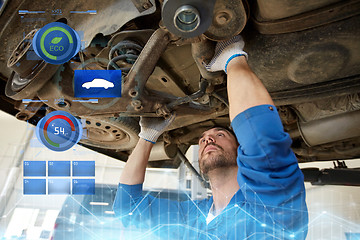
x=125, y=49
x=18, y=60
x=188, y=116
x=326, y=107
x=28, y=75
x=203, y=52
x=347, y=149
x=314, y=92
x=202, y=89
x=142, y=5
x=163, y=111
x=110, y=133
x=135, y=101
x=268, y=10
x=187, y=18
x=311, y=51
x=189, y=135
x=229, y=19
x=139, y=36
x=221, y=98
x=104, y=20
x=60, y=89
x=126, y=52
x=163, y=82
x=135, y=81
x=315, y=18
x=59, y=93
x=27, y=111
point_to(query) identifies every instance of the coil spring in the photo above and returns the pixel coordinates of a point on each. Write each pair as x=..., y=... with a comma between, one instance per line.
x=126, y=51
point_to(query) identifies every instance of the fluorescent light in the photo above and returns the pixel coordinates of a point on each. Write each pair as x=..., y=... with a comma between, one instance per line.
x=99, y=203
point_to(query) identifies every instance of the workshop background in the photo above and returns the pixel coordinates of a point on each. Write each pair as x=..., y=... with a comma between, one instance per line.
x=334, y=210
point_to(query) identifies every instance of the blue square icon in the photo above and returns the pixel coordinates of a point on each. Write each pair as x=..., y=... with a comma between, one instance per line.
x=59, y=168
x=59, y=186
x=34, y=168
x=34, y=186
x=83, y=186
x=83, y=168
x=97, y=83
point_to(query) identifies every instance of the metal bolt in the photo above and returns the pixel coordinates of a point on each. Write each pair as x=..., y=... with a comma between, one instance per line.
x=222, y=18
x=135, y=103
x=22, y=116
x=133, y=93
x=138, y=108
x=63, y=103
x=146, y=5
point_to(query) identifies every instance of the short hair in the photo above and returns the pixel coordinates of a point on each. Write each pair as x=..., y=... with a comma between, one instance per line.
x=227, y=128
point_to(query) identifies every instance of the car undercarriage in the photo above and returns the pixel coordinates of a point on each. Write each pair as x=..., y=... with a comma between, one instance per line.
x=305, y=52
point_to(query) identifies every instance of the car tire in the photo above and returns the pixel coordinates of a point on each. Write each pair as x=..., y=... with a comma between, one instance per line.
x=112, y=133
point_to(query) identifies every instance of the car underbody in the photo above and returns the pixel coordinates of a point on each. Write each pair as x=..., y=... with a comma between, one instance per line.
x=305, y=52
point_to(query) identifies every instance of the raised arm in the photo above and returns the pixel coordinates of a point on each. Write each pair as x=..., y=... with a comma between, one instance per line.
x=160, y=217
x=134, y=170
x=268, y=173
x=245, y=90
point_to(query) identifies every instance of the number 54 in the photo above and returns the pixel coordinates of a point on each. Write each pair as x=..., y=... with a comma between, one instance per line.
x=59, y=130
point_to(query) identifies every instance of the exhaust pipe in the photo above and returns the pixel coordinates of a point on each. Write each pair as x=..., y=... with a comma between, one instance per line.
x=162, y=151
x=330, y=129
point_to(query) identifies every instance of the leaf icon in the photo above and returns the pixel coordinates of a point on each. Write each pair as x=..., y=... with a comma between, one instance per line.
x=56, y=40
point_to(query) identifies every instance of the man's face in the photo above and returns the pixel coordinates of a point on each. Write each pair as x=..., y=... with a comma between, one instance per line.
x=217, y=149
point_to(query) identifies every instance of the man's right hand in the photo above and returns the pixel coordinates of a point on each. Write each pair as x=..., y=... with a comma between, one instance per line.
x=152, y=128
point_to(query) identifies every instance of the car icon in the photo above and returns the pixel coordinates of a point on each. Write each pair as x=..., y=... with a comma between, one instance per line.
x=98, y=83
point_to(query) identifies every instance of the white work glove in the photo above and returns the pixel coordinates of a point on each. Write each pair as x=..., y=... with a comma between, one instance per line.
x=152, y=128
x=225, y=51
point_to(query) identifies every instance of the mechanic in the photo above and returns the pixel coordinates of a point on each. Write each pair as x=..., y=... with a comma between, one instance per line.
x=257, y=186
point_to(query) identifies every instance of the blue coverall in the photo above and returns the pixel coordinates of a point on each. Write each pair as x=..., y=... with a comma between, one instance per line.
x=270, y=203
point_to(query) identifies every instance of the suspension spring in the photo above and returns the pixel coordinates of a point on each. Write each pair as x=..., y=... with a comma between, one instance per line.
x=123, y=55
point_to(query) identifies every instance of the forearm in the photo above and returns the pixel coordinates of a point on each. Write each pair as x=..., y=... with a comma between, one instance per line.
x=245, y=90
x=134, y=170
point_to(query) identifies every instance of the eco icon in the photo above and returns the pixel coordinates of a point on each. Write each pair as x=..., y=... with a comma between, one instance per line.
x=56, y=40
x=56, y=43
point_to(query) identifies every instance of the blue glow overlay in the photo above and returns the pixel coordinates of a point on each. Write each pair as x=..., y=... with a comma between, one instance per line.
x=34, y=169
x=59, y=186
x=83, y=186
x=85, y=12
x=59, y=168
x=83, y=168
x=158, y=218
x=34, y=186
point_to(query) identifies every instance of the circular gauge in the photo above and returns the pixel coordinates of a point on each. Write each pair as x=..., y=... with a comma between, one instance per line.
x=59, y=131
x=56, y=43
